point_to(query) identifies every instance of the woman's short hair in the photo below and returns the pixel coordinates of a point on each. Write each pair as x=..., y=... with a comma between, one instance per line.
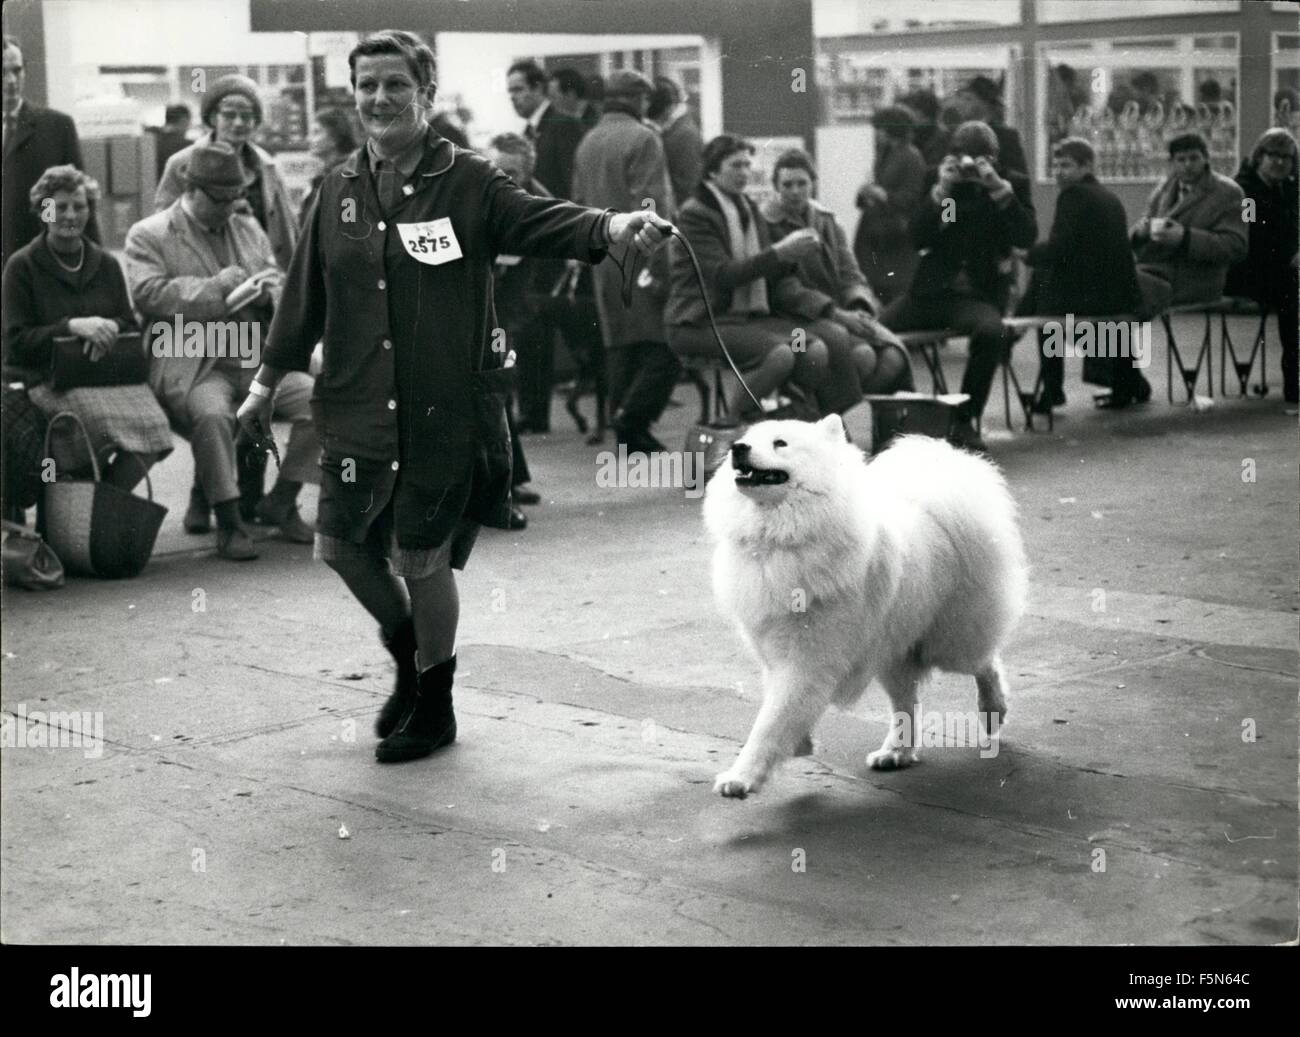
x=514, y=144
x=721, y=148
x=61, y=178
x=794, y=158
x=895, y=121
x=1076, y=149
x=417, y=53
x=1276, y=139
x=337, y=122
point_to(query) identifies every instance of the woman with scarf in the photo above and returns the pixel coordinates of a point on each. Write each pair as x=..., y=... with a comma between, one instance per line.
x=774, y=327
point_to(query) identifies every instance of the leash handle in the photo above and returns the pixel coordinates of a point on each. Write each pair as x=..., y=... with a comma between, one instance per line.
x=629, y=273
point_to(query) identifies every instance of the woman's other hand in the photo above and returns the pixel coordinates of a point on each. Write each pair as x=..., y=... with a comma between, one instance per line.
x=254, y=417
x=798, y=243
x=99, y=334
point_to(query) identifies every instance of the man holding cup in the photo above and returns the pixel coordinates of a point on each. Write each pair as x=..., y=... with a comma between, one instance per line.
x=1192, y=232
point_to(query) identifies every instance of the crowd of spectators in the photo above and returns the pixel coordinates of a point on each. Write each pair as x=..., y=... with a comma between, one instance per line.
x=947, y=237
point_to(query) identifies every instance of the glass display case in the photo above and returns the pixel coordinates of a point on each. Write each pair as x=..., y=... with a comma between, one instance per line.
x=854, y=83
x=1128, y=97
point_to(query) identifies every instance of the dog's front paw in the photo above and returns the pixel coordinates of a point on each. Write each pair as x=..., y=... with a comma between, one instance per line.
x=892, y=759
x=733, y=786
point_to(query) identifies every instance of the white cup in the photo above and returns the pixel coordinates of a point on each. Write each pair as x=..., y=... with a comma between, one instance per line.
x=1158, y=224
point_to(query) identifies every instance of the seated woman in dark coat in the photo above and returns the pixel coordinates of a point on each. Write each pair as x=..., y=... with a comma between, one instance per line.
x=63, y=284
x=1268, y=274
x=773, y=326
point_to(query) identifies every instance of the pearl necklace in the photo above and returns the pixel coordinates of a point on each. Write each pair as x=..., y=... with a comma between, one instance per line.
x=69, y=269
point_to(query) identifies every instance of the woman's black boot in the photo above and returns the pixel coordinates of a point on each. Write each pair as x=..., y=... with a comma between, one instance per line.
x=429, y=724
x=402, y=646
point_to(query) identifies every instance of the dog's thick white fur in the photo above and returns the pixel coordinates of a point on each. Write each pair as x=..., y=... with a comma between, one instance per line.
x=838, y=571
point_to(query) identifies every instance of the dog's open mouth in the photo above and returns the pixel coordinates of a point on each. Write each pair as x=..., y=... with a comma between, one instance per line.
x=748, y=475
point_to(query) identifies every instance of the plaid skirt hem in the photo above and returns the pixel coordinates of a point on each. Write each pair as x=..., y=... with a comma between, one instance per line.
x=118, y=417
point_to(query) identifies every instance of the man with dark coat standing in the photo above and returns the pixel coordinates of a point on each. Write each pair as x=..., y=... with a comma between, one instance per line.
x=1085, y=266
x=555, y=136
x=619, y=165
x=683, y=145
x=34, y=140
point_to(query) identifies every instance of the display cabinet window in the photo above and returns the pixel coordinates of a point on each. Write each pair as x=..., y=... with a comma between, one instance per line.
x=1097, y=10
x=1129, y=97
x=853, y=17
x=1286, y=82
x=854, y=84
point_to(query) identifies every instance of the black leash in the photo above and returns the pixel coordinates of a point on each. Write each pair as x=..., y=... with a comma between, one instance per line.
x=630, y=273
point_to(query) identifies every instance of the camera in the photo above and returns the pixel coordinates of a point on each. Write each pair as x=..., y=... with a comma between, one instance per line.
x=969, y=171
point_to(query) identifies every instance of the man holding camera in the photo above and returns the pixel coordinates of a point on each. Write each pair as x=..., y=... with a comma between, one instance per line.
x=972, y=216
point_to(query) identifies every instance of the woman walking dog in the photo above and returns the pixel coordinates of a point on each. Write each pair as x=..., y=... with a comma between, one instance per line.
x=394, y=271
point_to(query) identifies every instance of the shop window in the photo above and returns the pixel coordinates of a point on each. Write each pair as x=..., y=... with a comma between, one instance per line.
x=1129, y=97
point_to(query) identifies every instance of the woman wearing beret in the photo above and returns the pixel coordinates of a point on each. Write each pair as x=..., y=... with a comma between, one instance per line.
x=394, y=273
x=63, y=284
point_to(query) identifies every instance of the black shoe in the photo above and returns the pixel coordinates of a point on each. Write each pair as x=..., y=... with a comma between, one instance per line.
x=198, y=516
x=429, y=723
x=965, y=437
x=402, y=647
x=638, y=440
x=522, y=496
x=517, y=519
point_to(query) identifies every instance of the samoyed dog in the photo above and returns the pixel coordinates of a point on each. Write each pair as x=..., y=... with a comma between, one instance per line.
x=838, y=571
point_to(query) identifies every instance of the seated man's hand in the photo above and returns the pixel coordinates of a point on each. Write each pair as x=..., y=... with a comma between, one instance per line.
x=231, y=277
x=1170, y=232
x=643, y=231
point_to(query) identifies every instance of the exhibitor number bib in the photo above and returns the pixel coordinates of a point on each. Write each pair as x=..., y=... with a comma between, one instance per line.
x=433, y=242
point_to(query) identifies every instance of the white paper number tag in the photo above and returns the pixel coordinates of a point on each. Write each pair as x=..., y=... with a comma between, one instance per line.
x=433, y=242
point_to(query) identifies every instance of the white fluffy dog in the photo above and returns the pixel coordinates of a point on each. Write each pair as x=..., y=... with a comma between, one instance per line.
x=838, y=571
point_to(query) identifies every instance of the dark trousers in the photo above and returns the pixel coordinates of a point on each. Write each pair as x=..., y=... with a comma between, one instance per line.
x=641, y=380
x=968, y=315
x=576, y=320
x=519, y=473
x=1286, y=305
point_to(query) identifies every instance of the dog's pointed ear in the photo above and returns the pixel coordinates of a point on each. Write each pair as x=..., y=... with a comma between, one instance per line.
x=832, y=426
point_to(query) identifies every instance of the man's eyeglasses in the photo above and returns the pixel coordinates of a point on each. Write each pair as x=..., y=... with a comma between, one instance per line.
x=237, y=114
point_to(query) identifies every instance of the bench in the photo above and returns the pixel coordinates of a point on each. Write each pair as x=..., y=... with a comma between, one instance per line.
x=1228, y=306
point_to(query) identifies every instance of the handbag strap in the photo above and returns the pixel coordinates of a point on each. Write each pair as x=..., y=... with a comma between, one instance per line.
x=19, y=531
x=90, y=446
x=147, y=481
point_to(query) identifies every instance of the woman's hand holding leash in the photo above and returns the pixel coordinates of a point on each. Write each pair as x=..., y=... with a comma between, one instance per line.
x=643, y=231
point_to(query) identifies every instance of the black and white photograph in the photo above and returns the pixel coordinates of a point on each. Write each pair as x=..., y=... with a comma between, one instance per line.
x=651, y=473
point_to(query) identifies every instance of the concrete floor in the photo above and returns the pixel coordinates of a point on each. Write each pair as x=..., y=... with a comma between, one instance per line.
x=599, y=692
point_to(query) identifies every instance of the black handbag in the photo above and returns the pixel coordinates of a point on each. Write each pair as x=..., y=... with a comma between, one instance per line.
x=125, y=363
x=914, y=414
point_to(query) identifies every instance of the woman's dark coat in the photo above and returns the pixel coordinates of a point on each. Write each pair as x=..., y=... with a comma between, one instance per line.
x=409, y=401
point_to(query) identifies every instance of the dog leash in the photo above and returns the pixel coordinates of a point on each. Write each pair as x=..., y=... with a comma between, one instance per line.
x=629, y=273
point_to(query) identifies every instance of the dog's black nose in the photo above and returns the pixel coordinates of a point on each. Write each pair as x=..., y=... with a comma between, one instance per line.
x=739, y=452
